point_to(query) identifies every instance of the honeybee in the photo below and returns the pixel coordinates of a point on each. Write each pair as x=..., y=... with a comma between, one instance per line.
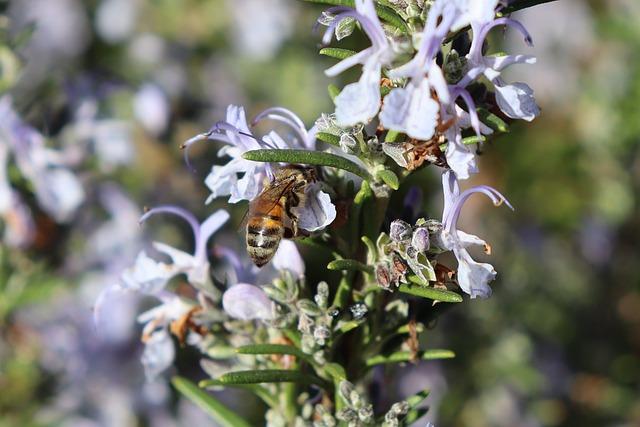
x=270, y=218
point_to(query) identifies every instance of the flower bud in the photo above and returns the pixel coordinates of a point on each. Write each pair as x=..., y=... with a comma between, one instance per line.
x=322, y=295
x=400, y=231
x=420, y=239
x=365, y=414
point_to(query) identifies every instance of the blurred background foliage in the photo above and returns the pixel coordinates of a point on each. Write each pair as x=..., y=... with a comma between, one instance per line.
x=558, y=344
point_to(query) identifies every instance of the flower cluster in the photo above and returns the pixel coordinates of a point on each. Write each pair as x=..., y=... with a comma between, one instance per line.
x=420, y=89
x=423, y=93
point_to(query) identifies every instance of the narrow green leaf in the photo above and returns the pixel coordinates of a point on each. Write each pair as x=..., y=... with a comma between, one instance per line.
x=371, y=247
x=344, y=290
x=364, y=193
x=336, y=372
x=429, y=292
x=274, y=349
x=260, y=376
x=212, y=406
x=392, y=136
x=329, y=138
x=333, y=91
x=389, y=178
x=417, y=398
x=260, y=391
x=415, y=412
x=474, y=139
x=350, y=325
x=336, y=52
x=349, y=264
x=492, y=120
x=306, y=157
x=405, y=356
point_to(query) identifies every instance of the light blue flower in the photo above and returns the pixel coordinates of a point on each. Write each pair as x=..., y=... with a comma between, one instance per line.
x=473, y=277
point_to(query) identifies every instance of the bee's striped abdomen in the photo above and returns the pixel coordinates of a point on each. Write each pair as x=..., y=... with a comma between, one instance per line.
x=264, y=233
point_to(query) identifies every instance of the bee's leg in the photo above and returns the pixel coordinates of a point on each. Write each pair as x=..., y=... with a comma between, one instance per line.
x=293, y=231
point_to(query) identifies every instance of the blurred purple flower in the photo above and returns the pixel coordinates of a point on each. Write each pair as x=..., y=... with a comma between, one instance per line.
x=57, y=189
x=473, y=277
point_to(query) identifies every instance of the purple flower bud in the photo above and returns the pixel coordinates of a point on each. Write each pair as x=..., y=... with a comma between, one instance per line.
x=420, y=239
x=400, y=231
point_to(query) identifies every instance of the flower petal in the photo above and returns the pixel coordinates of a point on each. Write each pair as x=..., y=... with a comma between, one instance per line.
x=247, y=302
x=318, y=211
x=359, y=102
x=474, y=277
x=516, y=101
x=158, y=354
x=461, y=160
x=147, y=275
x=288, y=257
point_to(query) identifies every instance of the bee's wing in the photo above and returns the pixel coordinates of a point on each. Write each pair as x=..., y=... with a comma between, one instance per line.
x=268, y=199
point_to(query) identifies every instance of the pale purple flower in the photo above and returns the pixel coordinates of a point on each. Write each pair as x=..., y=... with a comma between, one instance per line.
x=159, y=351
x=359, y=102
x=57, y=189
x=317, y=213
x=247, y=302
x=288, y=258
x=515, y=100
x=148, y=273
x=473, y=277
x=224, y=180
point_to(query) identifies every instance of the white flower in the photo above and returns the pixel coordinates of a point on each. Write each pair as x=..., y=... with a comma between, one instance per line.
x=411, y=110
x=159, y=351
x=195, y=266
x=288, y=257
x=318, y=211
x=473, y=277
x=247, y=302
x=224, y=180
x=359, y=102
x=515, y=100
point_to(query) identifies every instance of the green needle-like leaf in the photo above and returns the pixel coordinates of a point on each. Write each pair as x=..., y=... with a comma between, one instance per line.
x=389, y=178
x=492, y=120
x=474, y=139
x=274, y=349
x=306, y=157
x=329, y=138
x=350, y=265
x=265, y=376
x=336, y=52
x=405, y=356
x=415, y=412
x=429, y=292
x=212, y=406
